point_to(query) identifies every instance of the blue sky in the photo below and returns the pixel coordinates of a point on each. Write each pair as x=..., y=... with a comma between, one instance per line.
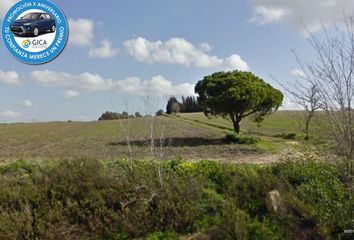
x=120, y=52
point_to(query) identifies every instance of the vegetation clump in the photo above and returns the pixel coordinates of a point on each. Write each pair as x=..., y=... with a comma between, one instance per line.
x=126, y=199
x=286, y=136
x=189, y=104
x=240, y=139
x=117, y=116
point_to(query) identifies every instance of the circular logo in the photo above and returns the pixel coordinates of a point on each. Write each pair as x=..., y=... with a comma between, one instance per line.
x=26, y=43
x=35, y=31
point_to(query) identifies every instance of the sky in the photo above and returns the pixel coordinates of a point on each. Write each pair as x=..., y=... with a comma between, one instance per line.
x=120, y=53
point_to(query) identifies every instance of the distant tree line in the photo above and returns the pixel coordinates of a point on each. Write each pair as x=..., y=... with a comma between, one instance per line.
x=115, y=116
x=188, y=105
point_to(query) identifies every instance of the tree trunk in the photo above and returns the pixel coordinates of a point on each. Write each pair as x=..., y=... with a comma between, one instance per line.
x=307, y=124
x=237, y=127
x=236, y=122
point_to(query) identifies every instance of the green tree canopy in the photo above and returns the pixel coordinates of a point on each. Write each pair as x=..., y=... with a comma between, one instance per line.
x=237, y=95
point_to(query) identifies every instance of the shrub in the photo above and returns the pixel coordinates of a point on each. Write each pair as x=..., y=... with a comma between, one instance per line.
x=217, y=174
x=286, y=136
x=237, y=224
x=249, y=187
x=16, y=167
x=125, y=199
x=159, y=112
x=318, y=196
x=239, y=139
x=307, y=137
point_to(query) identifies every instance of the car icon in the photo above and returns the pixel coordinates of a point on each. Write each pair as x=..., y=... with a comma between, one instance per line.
x=33, y=24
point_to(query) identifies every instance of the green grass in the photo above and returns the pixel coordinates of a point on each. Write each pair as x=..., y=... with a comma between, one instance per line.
x=191, y=136
x=107, y=140
x=281, y=122
x=277, y=133
x=75, y=179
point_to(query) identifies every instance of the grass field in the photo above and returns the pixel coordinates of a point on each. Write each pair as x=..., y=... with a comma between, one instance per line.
x=281, y=122
x=73, y=180
x=191, y=136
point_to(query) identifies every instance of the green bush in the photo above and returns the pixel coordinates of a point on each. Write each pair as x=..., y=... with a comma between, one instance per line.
x=16, y=167
x=317, y=194
x=237, y=224
x=123, y=199
x=249, y=187
x=219, y=175
x=240, y=139
x=286, y=136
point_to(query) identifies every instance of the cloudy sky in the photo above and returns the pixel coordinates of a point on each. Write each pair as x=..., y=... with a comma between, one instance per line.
x=120, y=52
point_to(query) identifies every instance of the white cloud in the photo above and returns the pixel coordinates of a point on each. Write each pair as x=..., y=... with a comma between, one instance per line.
x=10, y=114
x=298, y=72
x=106, y=50
x=51, y=78
x=180, y=51
x=206, y=47
x=235, y=62
x=156, y=86
x=93, y=82
x=86, y=81
x=27, y=103
x=268, y=14
x=289, y=104
x=310, y=13
x=11, y=78
x=81, y=32
x=5, y=5
x=70, y=94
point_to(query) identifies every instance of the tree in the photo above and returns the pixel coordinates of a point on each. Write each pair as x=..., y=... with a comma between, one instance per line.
x=190, y=105
x=306, y=93
x=237, y=95
x=138, y=115
x=333, y=72
x=124, y=115
x=109, y=116
x=114, y=116
x=173, y=106
x=159, y=112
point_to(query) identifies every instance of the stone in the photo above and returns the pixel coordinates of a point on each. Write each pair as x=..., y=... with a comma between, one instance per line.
x=275, y=203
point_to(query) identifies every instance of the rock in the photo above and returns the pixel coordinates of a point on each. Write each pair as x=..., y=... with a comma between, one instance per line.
x=275, y=204
x=211, y=233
